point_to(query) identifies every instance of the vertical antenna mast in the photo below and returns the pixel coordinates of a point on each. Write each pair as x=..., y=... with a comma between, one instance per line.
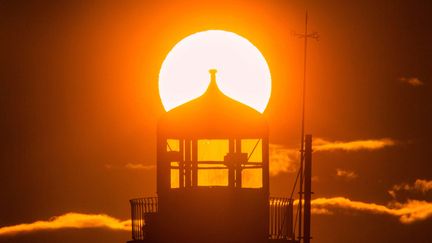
x=302, y=131
x=306, y=36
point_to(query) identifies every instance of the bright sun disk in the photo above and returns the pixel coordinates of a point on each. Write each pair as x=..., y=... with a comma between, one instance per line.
x=242, y=71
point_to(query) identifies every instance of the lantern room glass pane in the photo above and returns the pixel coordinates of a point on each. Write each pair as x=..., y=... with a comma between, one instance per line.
x=212, y=149
x=252, y=178
x=175, y=175
x=173, y=145
x=212, y=175
x=248, y=145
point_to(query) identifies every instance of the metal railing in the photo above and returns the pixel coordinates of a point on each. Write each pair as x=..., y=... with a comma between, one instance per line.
x=140, y=209
x=280, y=216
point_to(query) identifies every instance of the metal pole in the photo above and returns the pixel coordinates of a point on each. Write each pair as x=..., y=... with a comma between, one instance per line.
x=300, y=233
x=307, y=189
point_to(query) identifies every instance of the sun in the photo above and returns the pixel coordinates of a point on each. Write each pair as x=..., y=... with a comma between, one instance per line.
x=242, y=71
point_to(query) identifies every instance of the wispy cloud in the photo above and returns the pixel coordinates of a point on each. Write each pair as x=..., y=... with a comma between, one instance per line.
x=129, y=166
x=415, y=82
x=69, y=220
x=282, y=159
x=321, y=211
x=320, y=144
x=409, y=212
x=346, y=174
x=423, y=185
x=420, y=185
x=136, y=166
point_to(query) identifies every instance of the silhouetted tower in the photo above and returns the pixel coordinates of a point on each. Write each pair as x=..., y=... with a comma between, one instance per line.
x=213, y=171
x=212, y=177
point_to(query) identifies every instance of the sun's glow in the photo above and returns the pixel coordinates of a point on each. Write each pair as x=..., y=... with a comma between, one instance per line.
x=243, y=73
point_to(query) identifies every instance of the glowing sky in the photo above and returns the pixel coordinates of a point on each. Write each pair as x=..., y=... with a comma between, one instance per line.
x=80, y=102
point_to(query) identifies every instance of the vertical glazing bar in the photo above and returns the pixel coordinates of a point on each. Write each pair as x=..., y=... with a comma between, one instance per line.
x=181, y=163
x=187, y=163
x=231, y=171
x=238, y=166
x=194, y=162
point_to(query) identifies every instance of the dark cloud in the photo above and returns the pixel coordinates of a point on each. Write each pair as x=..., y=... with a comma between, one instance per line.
x=415, y=82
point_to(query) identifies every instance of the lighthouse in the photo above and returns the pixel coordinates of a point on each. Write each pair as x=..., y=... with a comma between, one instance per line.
x=212, y=177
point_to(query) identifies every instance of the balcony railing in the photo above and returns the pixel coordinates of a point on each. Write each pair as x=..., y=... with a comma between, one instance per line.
x=280, y=216
x=140, y=209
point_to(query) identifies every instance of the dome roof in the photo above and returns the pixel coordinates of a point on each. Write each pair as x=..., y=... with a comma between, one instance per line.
x=212, y=115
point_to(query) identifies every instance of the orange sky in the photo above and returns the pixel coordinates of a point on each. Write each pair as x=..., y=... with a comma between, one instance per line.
x=80, y=103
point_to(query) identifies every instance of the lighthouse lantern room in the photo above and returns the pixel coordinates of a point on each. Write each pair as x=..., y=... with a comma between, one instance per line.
x=212, y=177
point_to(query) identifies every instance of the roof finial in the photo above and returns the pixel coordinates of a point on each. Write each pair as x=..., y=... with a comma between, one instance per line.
x=213, y=72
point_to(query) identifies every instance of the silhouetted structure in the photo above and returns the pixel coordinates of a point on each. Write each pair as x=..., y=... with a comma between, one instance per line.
x=307, y=189
x=212, y=178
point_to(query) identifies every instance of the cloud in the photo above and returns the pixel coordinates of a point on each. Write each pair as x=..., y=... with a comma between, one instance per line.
x=321, y=211
x=409, y=212
x=422, y=186
x=346, y=174
x=133, y=166
x=129, y=166
x=356, y=145
x=282, y=159
x=69, y=220
x=415, y=82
